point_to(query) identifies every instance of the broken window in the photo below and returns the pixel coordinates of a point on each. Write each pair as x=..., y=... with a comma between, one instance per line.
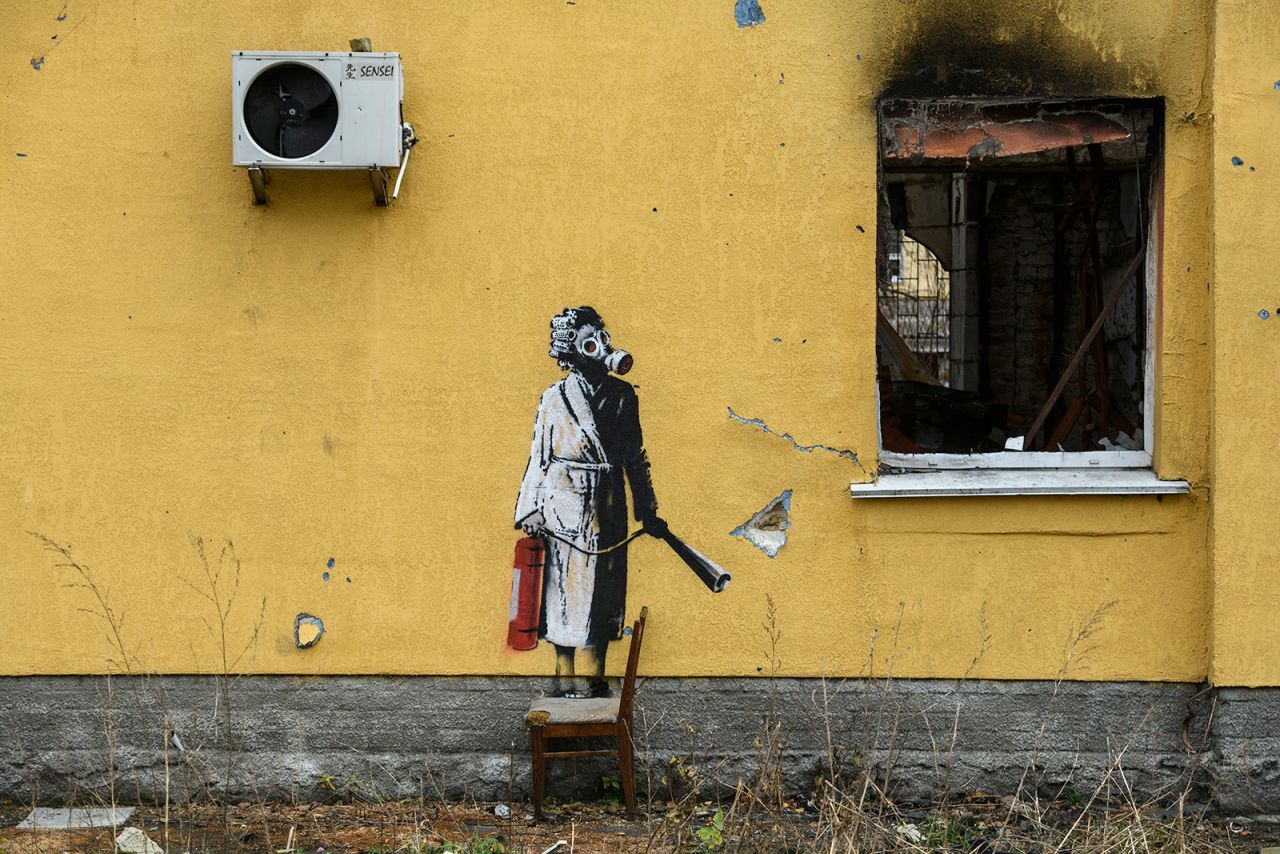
x=1015, y=268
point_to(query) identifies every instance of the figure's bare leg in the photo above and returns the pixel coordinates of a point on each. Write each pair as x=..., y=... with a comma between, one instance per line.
x=599, y=685
x=564, y=682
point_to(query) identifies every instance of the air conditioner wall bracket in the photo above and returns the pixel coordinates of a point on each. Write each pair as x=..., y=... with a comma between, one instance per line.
x=259, y=178
x=380, y=181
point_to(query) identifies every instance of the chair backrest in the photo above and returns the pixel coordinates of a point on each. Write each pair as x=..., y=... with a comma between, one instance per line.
x=633, y=662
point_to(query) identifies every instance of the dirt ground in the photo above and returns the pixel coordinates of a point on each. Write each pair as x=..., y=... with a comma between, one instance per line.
x=332, y=828
x=473, y=828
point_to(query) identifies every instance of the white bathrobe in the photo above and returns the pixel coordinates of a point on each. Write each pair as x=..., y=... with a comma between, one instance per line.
x=584, y=440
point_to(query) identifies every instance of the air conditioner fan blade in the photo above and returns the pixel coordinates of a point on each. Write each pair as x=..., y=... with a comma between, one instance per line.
x=259, y=97
x=306, y=85
x=264, y=122
x=306, y=138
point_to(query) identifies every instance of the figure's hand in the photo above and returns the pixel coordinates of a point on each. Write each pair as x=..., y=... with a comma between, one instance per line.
x=533, y=524
x=655, y=526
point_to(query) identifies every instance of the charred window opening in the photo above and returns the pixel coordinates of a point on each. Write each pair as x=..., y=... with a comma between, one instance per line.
x=1014, y=252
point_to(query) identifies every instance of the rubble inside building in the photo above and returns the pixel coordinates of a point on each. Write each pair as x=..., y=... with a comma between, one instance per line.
x=1013, y=267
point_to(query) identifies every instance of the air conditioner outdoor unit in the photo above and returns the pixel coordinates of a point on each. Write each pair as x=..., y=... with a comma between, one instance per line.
x=313, y=110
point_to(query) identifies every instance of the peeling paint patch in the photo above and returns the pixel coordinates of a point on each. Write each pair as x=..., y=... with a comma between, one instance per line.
x=767, y=529
x=38, y=61
x=307, y=630
x=787, y=437
x=748, y=13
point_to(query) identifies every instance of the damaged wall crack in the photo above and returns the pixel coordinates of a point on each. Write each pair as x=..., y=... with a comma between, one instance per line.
x=787, y=437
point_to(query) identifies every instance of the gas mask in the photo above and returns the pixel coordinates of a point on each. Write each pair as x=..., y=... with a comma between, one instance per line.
x=592, y=343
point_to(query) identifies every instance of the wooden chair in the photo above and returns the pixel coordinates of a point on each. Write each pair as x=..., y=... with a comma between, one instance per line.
x=557, y=717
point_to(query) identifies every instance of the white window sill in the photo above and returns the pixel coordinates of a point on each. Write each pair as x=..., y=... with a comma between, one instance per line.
x=942, y=483
x=1018, y=460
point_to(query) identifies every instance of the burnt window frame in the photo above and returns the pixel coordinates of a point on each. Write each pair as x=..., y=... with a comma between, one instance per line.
x=1009, y=461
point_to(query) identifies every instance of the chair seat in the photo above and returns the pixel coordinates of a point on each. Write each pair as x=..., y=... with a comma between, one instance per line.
x=546, y=711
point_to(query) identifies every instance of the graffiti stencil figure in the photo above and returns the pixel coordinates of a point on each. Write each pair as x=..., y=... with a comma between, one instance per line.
x=586, y=446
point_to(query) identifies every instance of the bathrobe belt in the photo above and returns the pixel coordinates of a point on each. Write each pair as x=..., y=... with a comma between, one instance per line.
x=580, y=464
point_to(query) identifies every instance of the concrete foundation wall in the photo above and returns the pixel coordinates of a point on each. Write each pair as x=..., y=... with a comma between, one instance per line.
x=339, y=737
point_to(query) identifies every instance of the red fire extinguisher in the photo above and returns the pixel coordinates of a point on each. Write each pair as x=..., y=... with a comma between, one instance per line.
x=526, y=592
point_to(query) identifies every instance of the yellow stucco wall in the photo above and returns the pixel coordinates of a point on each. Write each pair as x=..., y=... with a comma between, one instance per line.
x=322, y=378
x=1246, y=440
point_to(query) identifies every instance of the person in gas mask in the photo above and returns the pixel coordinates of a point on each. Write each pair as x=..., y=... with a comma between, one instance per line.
x=586, y=442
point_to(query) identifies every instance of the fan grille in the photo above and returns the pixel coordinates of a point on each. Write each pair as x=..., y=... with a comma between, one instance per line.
x=290, y=110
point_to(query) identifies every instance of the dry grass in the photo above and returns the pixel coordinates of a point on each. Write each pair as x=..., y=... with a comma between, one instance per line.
x=840, y=824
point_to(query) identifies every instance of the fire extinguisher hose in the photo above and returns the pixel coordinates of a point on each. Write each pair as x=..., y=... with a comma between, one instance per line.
x=714, y=576
x=571, y=544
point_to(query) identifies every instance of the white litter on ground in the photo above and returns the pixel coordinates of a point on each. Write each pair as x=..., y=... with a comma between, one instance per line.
x=74, y=818
x=134, y=841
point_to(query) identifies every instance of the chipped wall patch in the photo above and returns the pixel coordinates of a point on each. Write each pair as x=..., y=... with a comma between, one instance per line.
x=307, y=630
x=748, y=13
x=767, y=529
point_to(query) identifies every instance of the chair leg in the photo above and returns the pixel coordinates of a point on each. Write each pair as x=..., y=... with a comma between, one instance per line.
x=539, y=769
x=627, y=766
